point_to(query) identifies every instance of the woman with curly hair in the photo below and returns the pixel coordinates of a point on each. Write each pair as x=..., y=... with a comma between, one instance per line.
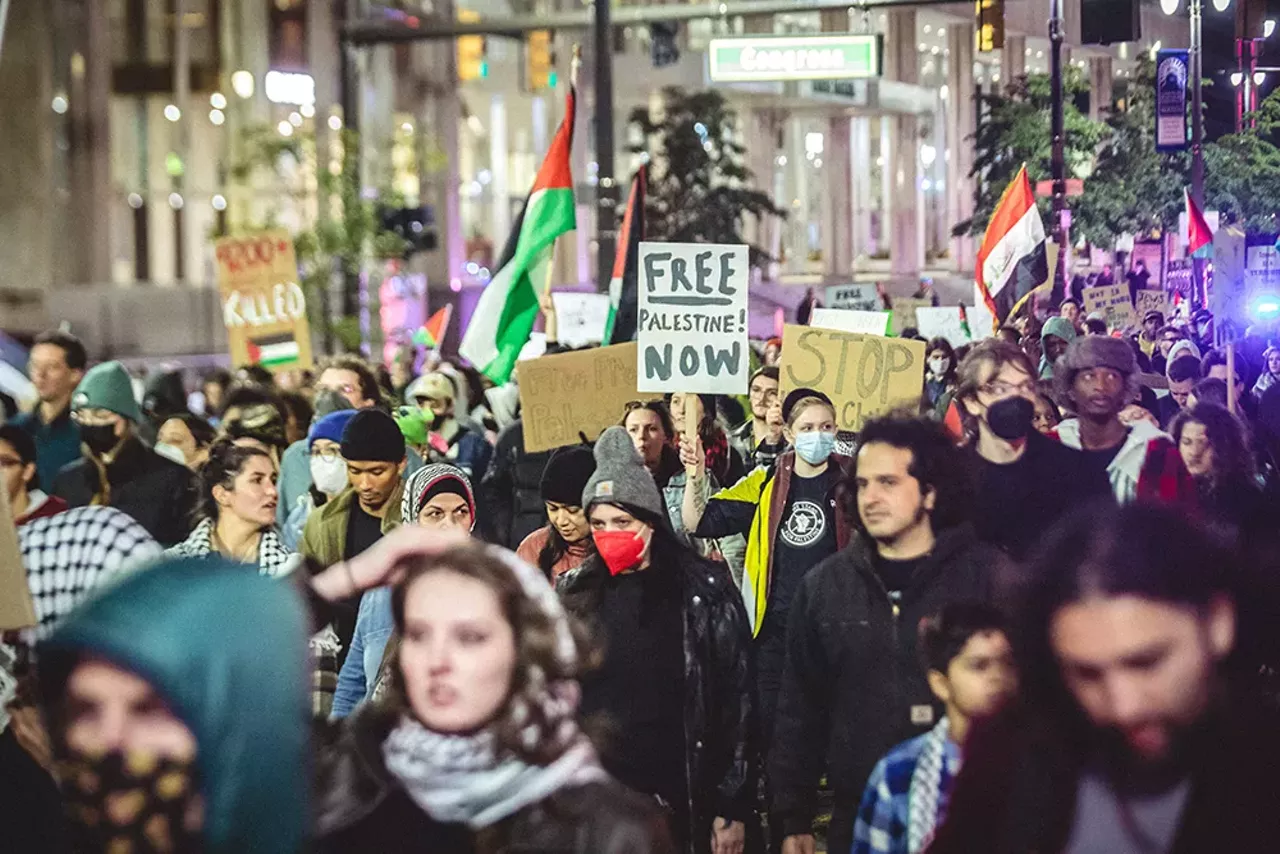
x=476, y=746
x=1215, y=450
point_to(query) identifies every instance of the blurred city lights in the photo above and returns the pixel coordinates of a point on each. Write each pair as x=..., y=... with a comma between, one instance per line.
x=172, y=113
x=217, y=116
x=175, y=201
x=242, y=83
x=218, y=101
x=219, y=202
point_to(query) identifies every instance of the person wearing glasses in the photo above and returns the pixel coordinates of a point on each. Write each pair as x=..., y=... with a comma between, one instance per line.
x=1024, y=481
x=758, y=441
x=328, y=472
x=116, y=468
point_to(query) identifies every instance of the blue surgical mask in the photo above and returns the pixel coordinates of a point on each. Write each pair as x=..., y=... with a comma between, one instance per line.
x=815, y=447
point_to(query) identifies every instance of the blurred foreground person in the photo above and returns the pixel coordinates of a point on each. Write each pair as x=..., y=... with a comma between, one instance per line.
x=1134, y=735
x=177, y=708
x=476, y=747
x=18, y=477
x=970, y=668
x=675, y=683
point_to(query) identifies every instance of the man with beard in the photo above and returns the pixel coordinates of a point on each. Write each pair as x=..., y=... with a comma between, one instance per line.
x=1134, y=736
x=1099, y=375
x=1024, y=481
x=758, y=441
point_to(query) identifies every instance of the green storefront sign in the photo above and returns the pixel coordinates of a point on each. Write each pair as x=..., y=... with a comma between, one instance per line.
x=796, y=58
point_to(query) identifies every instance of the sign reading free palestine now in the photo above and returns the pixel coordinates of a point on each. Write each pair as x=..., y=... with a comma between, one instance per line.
x=836, y=57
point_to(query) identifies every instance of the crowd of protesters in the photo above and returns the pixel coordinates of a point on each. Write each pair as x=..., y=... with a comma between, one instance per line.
x=328, y=611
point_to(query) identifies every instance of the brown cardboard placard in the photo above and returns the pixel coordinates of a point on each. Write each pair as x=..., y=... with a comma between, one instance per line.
x=16, y=608
x=904, y=312
x=263, y=306
x=580, y=392
x=1148, y=299
x=864, y=375
x=1114, y=302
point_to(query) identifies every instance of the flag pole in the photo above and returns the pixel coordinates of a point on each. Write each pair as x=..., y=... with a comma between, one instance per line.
x=574, y=65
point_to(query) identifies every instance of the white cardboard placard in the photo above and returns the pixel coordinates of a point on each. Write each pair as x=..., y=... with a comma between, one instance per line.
x=848, y=320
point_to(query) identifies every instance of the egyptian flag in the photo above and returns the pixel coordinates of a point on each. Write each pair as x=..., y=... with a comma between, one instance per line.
x=1198, y=234
x=503, y=318
x=624, y=288
x=1012, y=259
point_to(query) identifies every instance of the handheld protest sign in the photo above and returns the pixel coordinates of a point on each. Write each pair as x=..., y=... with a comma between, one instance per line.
x=16, y=608
x=692, y=330
x=568, y=394
x=1114, y=302
x=864, y=375
x=1149, y=300
x=864, y=297
x=263, y=306
x=849, y=320
x=943, y=322
x=904, y=312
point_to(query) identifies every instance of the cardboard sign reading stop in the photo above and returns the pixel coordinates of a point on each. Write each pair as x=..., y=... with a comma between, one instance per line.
x=263, y=305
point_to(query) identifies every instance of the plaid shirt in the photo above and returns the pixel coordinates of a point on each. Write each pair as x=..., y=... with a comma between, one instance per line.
x=883, y=815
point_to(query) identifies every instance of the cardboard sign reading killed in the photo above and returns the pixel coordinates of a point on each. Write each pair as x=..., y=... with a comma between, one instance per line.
x=692, y=328
x=16, y=608
x=263, y=306
x=1114, y=302
x=566, y=397
x=1150, y=300
x=864, y=375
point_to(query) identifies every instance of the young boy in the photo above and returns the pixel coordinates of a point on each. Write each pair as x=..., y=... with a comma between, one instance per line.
x=970, y=671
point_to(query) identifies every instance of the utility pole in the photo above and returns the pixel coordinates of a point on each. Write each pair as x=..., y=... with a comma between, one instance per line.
x=1197, y=105
x=606, y=186
x=1061, y=216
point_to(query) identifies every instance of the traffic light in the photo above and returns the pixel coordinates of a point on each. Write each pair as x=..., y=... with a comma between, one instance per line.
x=990, y=25
x=540, y=60
x=471, y=50
x=1110, y=21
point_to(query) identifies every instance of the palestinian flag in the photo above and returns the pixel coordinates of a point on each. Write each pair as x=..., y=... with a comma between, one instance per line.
x=1198, y=234
x=503, y=318
x=274, y=351
x=433, y=331
x=624, y=288
x=1012, y=259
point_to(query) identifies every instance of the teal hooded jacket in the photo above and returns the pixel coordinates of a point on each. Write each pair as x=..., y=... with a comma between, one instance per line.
x=227, y=648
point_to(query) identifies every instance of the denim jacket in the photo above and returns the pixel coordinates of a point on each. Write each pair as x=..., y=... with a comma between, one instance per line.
x=374, y=626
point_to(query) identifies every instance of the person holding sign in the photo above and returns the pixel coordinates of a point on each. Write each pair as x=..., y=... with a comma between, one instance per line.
x=792, y=518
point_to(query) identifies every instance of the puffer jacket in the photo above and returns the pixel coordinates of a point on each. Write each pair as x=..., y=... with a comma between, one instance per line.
x=510, y=495
x=719, y=684
x=363, y=808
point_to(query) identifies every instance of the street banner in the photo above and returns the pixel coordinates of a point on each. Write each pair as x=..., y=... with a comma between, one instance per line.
x=568, y=396
x=693, y=318
x=16, y=608
x=1173, y=69
x=857, y=297
x=580, y=317
x=845, y=320
x=904, y=313
x=1147, y=299
x=943, y=322
x=263, y=306
x=1114, y=302
x=864, y=375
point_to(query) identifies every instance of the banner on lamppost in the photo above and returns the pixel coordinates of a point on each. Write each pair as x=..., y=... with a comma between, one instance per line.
x=1173, y=70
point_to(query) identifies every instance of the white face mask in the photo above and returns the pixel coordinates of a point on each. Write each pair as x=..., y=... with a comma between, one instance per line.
x=172, y=452
x=329, y=475
x=938, y=367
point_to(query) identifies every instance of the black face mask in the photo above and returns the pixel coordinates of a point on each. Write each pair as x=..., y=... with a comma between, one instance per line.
x=1010, y=419
x=99, y=438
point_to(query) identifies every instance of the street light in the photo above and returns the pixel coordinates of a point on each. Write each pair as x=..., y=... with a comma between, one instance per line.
x=1259, y=77
x=1236, y=78
x=1268, y=28
x=1221, y=5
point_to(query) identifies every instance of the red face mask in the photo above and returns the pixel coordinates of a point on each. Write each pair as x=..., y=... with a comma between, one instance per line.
x=620, y=550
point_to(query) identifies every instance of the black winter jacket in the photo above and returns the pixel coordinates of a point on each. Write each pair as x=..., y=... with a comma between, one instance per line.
x=363, y=808
x=154, y=490
x=852, y=686
x=511, y=493
x=718, y=713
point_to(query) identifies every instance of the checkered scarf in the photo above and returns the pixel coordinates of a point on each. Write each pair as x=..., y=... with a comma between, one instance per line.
x=273, y=558
x=68, y=555
x=926, y=784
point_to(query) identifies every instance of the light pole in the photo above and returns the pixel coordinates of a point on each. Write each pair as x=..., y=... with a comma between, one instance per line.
x=1197, y=105
x=1057, y=130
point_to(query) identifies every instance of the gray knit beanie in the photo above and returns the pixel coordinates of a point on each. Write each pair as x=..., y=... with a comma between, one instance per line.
x=620, y=476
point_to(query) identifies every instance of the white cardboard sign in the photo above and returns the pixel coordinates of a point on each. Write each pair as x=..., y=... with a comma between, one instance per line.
x=847, y=320
x=580, y=317
x=942, y=322
x=856, y=297
x=692, y=328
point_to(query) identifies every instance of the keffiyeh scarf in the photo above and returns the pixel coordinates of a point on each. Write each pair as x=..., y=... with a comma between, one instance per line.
x=927, y=782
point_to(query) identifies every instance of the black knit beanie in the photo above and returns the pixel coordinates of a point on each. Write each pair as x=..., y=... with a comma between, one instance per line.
x=372, y=436
x=566, y=475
